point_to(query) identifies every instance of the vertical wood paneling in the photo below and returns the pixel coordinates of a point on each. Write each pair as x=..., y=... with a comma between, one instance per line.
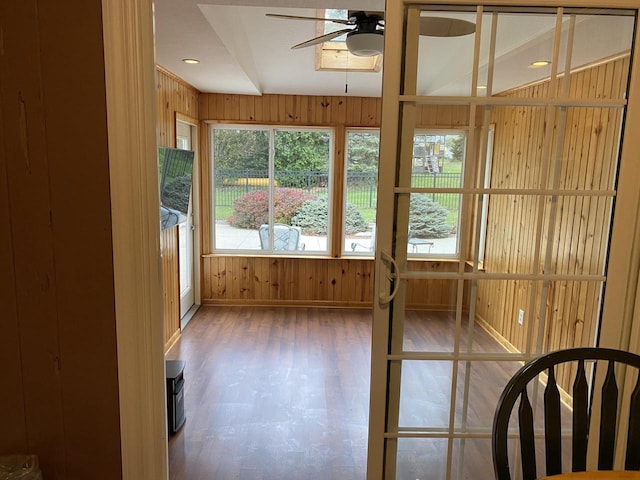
x=175, y=96
x=12, y=399
x=58, y=344
x=316, y=281
x=580, y=232
x=32, y=263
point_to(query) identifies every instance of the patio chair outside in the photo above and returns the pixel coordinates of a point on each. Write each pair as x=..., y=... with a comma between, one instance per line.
x=368, y=246
x=285, y=237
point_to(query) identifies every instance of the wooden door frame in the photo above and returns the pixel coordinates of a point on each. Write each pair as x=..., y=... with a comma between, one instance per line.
x=132, y=121
x=195, y=205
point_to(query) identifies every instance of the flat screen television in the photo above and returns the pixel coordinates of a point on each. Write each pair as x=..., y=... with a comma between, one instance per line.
x=175, y=177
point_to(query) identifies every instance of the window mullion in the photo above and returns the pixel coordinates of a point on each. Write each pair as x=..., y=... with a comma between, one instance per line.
x=271, y=184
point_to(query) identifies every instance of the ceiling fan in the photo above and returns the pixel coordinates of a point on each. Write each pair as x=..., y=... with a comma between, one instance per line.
x=365, y=38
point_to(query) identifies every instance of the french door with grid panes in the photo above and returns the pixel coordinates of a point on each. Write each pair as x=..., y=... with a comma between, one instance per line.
x=549, y=205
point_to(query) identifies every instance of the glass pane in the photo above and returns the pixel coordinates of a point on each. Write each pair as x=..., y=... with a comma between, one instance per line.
x=509, y=311
x=512, y=233
x=591, y=139
x=600, y=37
x=361, y=191
x=518, y=145
x=437, y=67
x=184, y=258
x=241, y=187
x=523, y=49
x=429, y=331
x=502, y=310
x=472, y=458
x=425, y=394
x=301, y=185
x=438, y=162
x=477, y=395
x=572, y=314
x=581, y=235
x=421, y=459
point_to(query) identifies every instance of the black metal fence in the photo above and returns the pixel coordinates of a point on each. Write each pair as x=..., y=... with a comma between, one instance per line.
x=451, y=201
x=362, y=187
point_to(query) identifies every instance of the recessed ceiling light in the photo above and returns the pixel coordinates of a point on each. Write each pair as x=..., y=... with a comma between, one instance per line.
x=540, y=63
x=482, y=87
x=191, y=61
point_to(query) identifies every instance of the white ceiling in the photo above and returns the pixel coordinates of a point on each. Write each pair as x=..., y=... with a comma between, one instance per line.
x=242, y=51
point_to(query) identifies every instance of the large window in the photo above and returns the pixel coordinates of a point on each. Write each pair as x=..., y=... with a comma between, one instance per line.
x=271, y=189
x=438, y=162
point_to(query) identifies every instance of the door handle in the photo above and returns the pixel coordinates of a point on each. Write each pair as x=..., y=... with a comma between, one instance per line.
x=392, y=275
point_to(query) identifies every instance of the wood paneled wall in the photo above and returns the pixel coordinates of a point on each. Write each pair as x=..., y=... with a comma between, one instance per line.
x=346, y=282
x=174, y=96
x=318, y=281
x=58, y=346
x=580, y=231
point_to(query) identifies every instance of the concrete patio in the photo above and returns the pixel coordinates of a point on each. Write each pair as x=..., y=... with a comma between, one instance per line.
x=231, y=238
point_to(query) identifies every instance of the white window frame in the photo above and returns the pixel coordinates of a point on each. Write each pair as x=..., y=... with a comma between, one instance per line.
x=271, y=129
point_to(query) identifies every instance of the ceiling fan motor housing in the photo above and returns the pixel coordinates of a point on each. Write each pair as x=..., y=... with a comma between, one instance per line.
x=366, y=40
x=365, y=44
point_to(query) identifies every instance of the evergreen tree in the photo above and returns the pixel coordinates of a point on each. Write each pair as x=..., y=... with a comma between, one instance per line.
x=428, y=219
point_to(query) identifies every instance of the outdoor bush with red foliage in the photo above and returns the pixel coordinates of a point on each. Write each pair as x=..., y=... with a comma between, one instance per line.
x=252, y=209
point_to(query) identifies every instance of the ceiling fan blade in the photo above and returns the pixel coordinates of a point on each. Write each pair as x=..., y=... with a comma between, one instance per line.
x=295, y=17
x=322, y=38
x=445, y=27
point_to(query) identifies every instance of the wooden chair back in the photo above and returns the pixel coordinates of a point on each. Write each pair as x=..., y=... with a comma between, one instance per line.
x=517, y=389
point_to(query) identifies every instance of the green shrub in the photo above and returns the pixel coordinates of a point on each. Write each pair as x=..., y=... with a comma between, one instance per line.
x=354, y=222
x=428, y=218
x=252, y=209
x=313, y=218
x=176, y=194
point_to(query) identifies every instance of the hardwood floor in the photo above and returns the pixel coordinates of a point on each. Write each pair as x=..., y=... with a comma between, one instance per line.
x=273, y=394
x=283, y=393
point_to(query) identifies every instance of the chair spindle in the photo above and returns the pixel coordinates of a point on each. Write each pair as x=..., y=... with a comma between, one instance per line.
x=608, y=415
x=580, y=420
x=527, y=440
x=632, y=461
x=552, y=428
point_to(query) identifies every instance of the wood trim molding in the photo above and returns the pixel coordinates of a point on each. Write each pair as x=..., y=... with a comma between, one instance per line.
x=288, y=303
x=186, y=119
x=194, y=123
x=131, y=117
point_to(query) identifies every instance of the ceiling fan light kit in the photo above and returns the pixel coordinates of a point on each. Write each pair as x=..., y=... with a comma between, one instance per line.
x=365, y=44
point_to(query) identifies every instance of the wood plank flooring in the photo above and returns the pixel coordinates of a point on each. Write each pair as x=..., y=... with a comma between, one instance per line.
x=283, y=393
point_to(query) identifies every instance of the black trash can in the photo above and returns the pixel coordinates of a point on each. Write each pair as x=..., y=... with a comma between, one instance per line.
x=175, y=394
